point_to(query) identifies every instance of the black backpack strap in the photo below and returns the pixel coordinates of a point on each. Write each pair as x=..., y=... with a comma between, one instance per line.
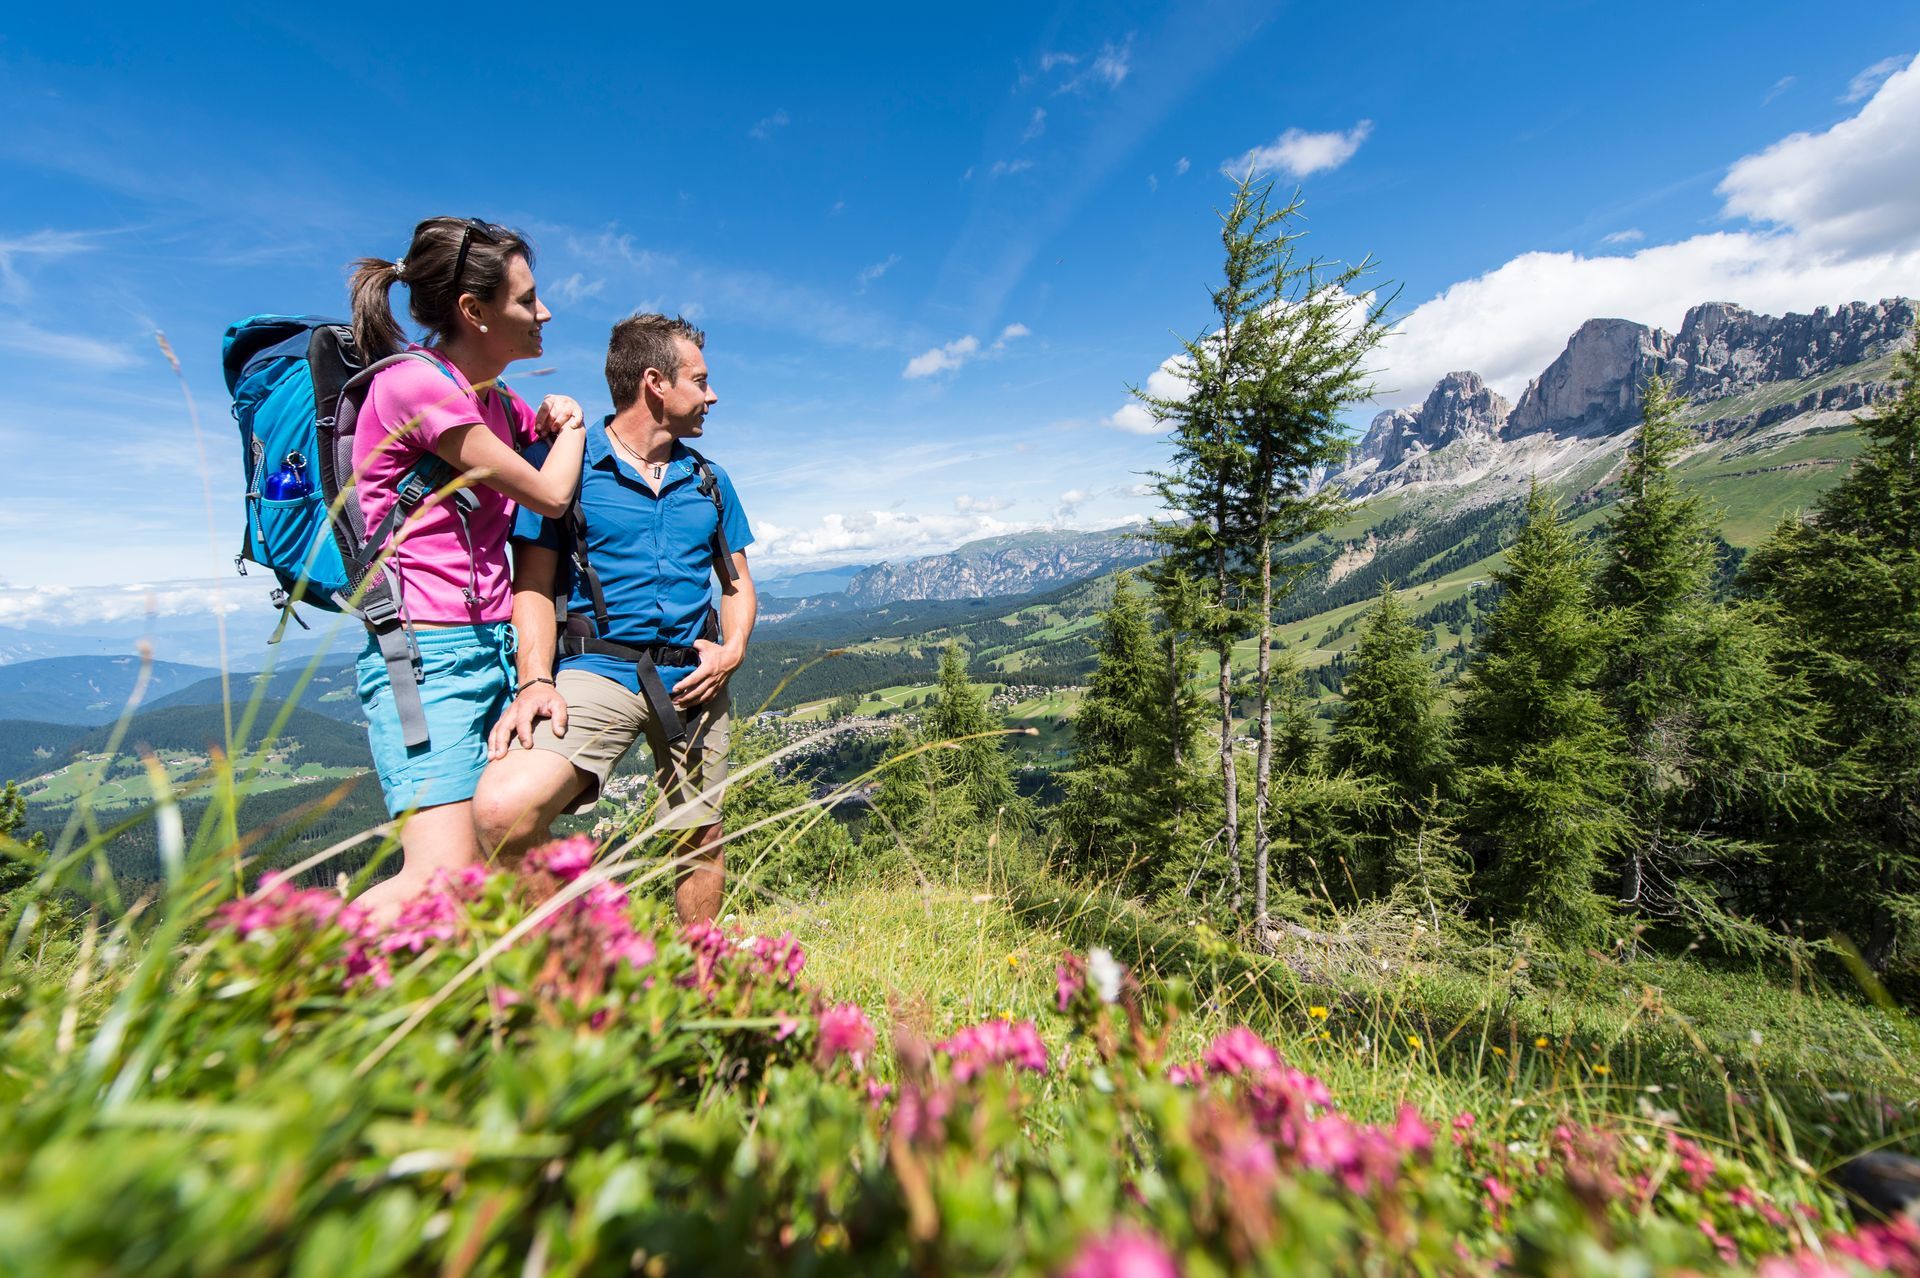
x=710, y=489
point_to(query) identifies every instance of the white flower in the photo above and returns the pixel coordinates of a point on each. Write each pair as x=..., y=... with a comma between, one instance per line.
x=1104, y=974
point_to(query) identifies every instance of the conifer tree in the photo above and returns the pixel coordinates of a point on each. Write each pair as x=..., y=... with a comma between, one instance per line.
x=1716, y=731
x=14, y=871
x=1268, y=386
x=1389, y=726
x=1106, y=811
x=1848, y=582
x=1542, y=785
x=960, y=787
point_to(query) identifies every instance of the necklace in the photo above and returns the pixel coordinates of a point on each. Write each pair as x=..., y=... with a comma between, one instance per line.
x=655, y=470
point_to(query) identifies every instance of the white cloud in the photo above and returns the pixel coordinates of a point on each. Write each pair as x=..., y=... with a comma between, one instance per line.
x=1632, y=235
x=39, y=245
x=1153, y=182
x=1004, y=168
x=766, y=128
x=67, y=348
x=1853, y=188
x=878, y=534
x=1070, y=503
x=1181, y=166
x=1108, y=69
x=962, y=350
x=1862, y=86
x=1298, y=153
x=1780, y=86
x=1036, y=126
x=874, y=272
x=1844, y=206
x=1169, y=381
x=577, y=288
x=79, y=605
x=983, y=505
x=943, y=359
x=1114, y=64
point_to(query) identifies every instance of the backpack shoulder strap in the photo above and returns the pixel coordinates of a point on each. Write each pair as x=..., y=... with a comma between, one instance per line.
x=710, y=489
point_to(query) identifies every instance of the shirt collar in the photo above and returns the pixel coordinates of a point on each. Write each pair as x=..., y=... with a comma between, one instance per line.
x=600, y=452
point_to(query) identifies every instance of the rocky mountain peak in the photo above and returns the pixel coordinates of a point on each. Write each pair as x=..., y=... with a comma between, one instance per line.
x=1596, y=381
x=1460, y=406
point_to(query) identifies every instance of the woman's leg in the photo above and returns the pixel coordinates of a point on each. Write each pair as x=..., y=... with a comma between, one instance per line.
x=433, y=839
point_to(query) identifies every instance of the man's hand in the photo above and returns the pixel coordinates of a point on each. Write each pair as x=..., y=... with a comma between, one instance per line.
x=558, y=413
x=539, y=701
x=717, y=661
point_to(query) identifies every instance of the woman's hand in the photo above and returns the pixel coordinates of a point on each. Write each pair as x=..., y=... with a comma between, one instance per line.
x=558, y=413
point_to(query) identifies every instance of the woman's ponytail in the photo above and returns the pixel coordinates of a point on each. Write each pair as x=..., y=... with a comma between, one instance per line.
x=376, y=333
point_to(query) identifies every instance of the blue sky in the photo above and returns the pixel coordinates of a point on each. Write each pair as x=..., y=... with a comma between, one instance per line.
x=930, y=248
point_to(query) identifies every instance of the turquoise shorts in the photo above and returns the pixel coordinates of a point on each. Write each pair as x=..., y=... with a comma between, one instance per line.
x=467, y=685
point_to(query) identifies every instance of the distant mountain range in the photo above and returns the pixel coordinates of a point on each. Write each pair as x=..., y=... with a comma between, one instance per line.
x=1017, y=564
x=90, y=691
x=1742, y=374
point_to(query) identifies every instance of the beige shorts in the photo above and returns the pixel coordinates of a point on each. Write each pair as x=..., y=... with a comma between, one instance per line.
x=603, y=722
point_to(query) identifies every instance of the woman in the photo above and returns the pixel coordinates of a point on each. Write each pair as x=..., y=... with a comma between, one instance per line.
x=470, y=286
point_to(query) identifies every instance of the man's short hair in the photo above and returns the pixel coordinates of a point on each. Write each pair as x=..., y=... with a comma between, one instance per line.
x=641, y=342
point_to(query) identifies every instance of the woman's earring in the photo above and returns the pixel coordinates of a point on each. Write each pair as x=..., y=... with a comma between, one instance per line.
x=483, y=328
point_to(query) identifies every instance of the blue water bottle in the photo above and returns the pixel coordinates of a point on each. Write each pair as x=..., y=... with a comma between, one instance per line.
x=290, y=482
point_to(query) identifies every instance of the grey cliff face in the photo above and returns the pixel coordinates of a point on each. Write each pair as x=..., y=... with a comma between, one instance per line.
x=1595, y=383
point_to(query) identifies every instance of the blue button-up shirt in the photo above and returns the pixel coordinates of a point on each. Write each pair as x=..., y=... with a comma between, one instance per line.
x=653, y=552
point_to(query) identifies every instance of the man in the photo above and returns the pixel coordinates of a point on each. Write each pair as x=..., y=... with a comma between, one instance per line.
x=637, y=653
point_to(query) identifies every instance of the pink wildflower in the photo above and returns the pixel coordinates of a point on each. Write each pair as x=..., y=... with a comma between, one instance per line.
x=1729, y=1253
x=710, y=948
x=878, y=1093
x=425, y=919
x=1463, y=1124
x=1070, y=977
x=1185, y=1075
x=364, y=961
x=782, y=958
x=1127, y=1252
x=565, y=859
x=1499, y=1195
x=1411, y=1132
x=1240, y=1051
x=844, y=1031
x=784, y=1027
x=977, y=1047
x=1695, y=1163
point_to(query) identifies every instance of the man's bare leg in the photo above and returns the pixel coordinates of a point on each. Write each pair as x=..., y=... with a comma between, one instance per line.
x=703, y=881
x=518, y=798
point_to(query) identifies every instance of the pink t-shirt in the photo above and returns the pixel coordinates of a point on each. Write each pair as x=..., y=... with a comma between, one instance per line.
x=437, y=566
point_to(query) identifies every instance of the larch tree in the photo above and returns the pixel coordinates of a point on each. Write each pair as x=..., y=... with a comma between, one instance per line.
x=1267, y=386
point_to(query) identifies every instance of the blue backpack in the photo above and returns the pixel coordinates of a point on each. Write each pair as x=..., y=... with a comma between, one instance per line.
x=297, y=384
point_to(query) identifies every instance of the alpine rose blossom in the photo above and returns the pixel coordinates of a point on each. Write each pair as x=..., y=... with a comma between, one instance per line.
x=1127, y=1252
x=989, y=1043
x=844, y=1031
x=565, y=859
